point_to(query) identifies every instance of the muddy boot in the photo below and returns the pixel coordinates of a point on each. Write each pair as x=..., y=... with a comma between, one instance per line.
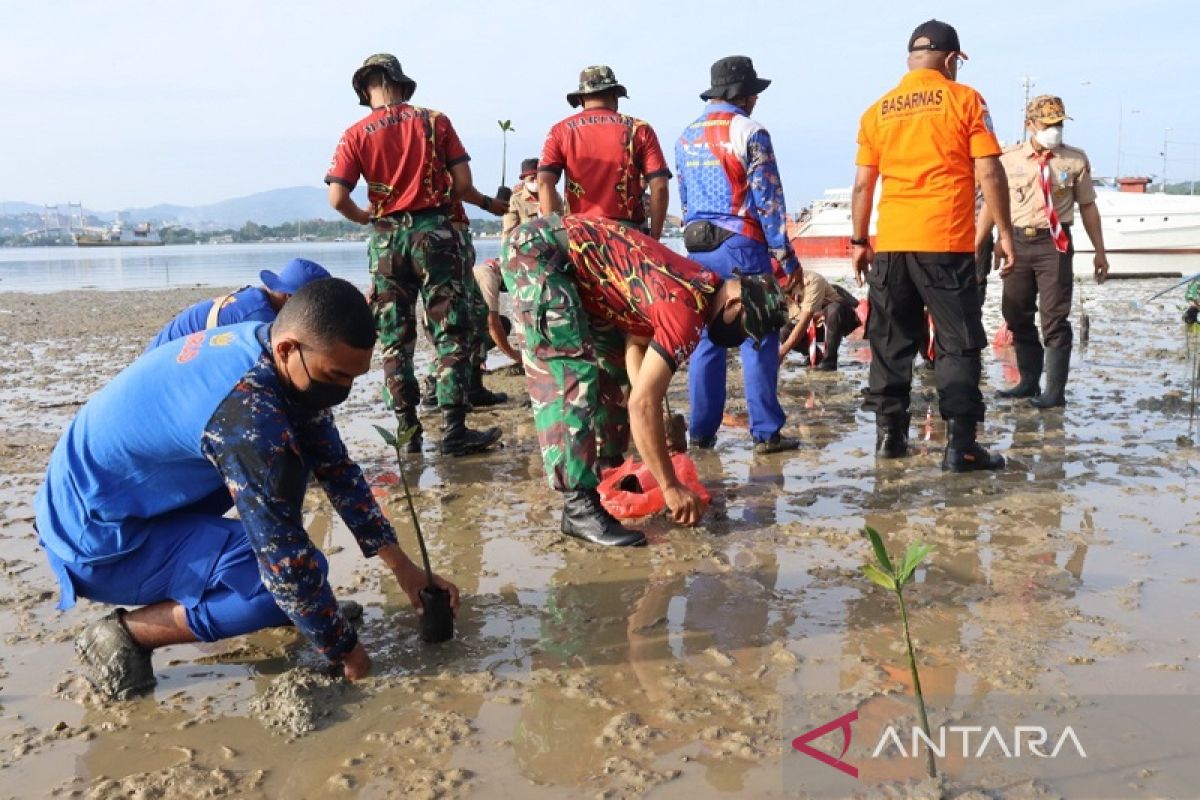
x=1029, y=362
x=429, y=392
x=1058, y=364
x=408, y=419
x=891, y=435
x=833, y=340
x=776, y=444
x=963, y=453
x=458, y=439
x=120, y=667
x=585, y=518
x=703, y=443
x=479, y=396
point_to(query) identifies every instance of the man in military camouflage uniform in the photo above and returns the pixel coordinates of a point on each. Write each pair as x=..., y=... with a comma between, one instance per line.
x=416, y=170
x=593, y=296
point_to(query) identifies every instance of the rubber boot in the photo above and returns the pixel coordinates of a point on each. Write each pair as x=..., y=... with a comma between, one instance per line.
x=429, y=394
x=1058, y=365
x=963, y=453
x=1029, y=362
x=458, y=439
x=479, y=396
x=408, y=419
x=119, y=667
x=585, y=518
x=891, y=435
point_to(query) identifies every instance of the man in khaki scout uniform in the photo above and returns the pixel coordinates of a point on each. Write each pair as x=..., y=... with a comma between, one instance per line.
x=523, y=205
x=812, y=296
x=1046, y=179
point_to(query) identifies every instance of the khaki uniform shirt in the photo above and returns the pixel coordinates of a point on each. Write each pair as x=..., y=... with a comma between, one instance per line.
x=522, y=207
x=1070, y=183
x=811, y=296
x=487, y=275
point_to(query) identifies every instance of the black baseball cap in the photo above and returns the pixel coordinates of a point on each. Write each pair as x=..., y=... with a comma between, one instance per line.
x=941, y=35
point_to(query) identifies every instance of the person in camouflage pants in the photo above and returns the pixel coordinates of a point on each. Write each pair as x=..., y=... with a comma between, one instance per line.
x=574, y=364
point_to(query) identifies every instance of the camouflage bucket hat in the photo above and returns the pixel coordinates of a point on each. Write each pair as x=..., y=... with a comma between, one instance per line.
x=1046, y=109
x=594, y=80
x=389, y=65
x=764, y=308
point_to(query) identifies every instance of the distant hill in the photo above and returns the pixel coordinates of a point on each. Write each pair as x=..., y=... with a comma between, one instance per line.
x=272, y=207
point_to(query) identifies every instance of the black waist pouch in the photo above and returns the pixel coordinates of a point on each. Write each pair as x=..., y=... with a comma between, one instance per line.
x=702, y=236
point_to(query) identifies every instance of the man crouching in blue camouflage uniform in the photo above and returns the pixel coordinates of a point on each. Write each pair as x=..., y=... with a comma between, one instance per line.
x=131, y=511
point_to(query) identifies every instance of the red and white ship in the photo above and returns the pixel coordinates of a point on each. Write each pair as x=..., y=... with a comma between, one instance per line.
x=1135, y=223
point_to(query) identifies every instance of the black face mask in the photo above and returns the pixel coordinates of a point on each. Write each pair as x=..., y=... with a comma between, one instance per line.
x=726, y=334
x=320, y=394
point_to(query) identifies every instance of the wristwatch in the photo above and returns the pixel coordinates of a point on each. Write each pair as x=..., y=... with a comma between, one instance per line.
x=486, y=203
x=863, y=242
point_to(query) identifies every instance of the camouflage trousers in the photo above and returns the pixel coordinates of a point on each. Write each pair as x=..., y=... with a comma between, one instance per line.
x=411, y=257
x=574, y=363
x=480, y=341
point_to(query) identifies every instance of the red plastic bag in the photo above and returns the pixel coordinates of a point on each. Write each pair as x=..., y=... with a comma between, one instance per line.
x=1004, y=337
x=630, y=490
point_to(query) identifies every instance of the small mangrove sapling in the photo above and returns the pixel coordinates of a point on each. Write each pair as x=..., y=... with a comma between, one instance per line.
x=504, y=193
x=437, y=617
x=894, y=577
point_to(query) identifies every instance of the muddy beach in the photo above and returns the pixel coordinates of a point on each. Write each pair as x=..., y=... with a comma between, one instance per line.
x=683, y=669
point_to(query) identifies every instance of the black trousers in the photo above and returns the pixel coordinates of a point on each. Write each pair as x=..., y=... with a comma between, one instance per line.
x=901, y=287
x=1042, y=281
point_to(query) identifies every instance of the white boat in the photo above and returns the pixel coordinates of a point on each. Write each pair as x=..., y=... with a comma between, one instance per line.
x=1138, y=229
x=119, y=235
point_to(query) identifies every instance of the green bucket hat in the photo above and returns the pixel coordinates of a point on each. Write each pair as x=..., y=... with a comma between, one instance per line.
x=764, y=308
x=593, y=80
x=390, y=65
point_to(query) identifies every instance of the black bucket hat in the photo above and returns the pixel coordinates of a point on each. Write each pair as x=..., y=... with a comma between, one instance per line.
x=389, y=65
x=733, y=76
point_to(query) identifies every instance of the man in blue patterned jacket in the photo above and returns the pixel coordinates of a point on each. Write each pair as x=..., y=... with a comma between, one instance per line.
x=735, y=220
x=131, y=511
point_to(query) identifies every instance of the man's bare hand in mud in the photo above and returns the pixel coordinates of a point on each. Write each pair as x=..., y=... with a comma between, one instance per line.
x=861, y=257
x=412, y=580
x=357, y=664
x=684, y=504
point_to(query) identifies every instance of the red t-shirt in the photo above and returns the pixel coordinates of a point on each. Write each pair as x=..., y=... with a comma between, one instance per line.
x=404, y=152
x=607, y=157
x=642, y=287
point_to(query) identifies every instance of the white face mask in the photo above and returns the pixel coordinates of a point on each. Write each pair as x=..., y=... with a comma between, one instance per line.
x=531, y=184
x=1049, y=138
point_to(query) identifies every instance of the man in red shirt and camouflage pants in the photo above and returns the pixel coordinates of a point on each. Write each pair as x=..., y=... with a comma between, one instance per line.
x=416, y=170
x=587, y=292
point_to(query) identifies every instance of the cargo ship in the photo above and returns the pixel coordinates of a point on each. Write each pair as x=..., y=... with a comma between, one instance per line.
x=119, y=235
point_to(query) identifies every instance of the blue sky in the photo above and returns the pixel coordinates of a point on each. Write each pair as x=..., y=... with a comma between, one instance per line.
x=133, y=103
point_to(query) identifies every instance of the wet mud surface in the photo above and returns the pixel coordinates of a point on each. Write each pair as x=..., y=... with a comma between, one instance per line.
x=672, y=670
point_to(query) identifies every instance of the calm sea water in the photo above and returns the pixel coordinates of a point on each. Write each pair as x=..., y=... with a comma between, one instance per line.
x=53, y=269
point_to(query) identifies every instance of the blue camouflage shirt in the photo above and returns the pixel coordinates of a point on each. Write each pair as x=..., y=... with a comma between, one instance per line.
x=179, y=425
x=727, y=175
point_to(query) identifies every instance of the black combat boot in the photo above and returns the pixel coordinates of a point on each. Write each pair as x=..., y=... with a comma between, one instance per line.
x=1029, y=363
x=963, y=453
x=408, y=419
x=585, y=518
x=1058, y=365
x=891, y=435
x=458, y=439
x=429, y=392
x=478, y=395
x=778, y=443
x=833, y=340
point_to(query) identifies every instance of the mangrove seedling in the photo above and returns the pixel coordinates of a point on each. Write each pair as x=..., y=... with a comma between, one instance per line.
x=504, y=192
x=894, y=577
x=437, y=618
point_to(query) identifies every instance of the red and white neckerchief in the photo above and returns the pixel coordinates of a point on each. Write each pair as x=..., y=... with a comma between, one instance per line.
x=1056, y=229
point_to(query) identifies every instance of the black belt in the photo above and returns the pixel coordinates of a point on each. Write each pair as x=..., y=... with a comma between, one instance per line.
x=405, y=219
x=1033, y=233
